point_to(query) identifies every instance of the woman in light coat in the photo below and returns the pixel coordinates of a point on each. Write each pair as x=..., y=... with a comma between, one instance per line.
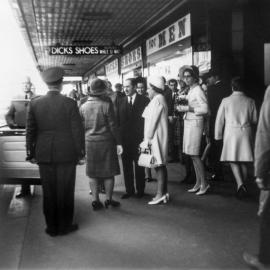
x=234, y=124
x=156, y=134
x=194, y=125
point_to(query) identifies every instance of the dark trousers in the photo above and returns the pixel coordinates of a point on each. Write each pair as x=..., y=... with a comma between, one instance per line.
x=58, y=183
x=214, y=158
x=128, y=160
x=25, y=188
x=264, y=248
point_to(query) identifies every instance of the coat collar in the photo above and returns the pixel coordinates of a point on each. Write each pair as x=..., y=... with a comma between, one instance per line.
x=238, y=93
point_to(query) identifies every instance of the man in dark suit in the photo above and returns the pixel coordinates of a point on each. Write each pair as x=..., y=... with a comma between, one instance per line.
x=16, y=119
x=262, y=172
x=55, y=140
x=168, y=94
x=216, y=91
x=132, y=126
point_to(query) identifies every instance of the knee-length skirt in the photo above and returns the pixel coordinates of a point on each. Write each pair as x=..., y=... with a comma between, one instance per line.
x=193, y=131
x=101, y=159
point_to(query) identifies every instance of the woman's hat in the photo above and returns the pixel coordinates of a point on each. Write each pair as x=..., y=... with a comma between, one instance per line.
x=98, y=87
x=157, y=81
x=193, y=69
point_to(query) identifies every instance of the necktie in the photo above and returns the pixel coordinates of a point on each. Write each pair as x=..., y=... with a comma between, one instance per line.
x=130, y=101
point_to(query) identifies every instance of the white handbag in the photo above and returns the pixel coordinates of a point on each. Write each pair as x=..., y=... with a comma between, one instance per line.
x=146, y=159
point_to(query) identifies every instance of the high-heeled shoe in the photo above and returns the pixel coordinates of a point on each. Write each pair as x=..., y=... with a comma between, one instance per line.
x=159, y=200
x=97, y=205
x=194, y=189
x=241, y=192
x=112, y=203
x=203, y=191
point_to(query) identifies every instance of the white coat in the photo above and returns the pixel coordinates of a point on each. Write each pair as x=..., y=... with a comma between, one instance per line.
x=156, y=128
x=236, y=115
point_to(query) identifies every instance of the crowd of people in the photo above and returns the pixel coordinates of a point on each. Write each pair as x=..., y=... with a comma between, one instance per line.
x=201, y=124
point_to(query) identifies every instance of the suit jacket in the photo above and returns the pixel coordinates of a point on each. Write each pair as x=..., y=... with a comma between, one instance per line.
x=169, y=99
x=54, y=130
x=262, y=143
x=16, y=115
x=131, y=120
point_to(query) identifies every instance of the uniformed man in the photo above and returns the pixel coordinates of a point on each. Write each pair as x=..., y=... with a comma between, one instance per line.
x=55, y=140
x=16, y=119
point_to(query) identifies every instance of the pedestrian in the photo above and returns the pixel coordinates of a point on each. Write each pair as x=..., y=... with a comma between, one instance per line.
x=55, y=141
x=103, y=143
x=262, y=169
x=156, y=135
x=132, y=134
x=16, y=118
x=196, y=108
x=235, y=124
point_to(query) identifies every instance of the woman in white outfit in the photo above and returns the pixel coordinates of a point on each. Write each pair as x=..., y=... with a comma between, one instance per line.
x=235, y=120
x=194, y=125
x=156, y=134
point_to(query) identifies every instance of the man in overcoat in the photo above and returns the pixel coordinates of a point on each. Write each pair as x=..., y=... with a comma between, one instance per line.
x=262, y=173
x=55, y=140
x=132, y=125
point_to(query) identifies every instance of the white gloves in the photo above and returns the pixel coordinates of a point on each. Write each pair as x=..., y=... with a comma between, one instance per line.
x=145, y=144
x=119, y=149
x=182, y=108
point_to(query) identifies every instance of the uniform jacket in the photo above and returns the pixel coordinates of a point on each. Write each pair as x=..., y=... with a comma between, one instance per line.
x=132, y=121
x=54, y=130
x=262, y=143
x=156, y=127
x=99, y=120
x=234, y=123
x=16, y=114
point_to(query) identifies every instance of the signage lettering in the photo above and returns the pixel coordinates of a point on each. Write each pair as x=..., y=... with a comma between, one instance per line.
x=112, y=67
x=85, y=50
x=131, y=57
x=177, y=31
x=171, y=34
x=161, y=39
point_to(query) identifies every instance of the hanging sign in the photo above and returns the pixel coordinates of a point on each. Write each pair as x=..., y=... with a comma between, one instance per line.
x=175, y=32
x=85, y=50
x=131, y=57
x=112, y=67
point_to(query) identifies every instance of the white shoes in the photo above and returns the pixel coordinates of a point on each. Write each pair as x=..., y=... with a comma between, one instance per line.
x=194, y=189
x=203, y=191
x=163, y=199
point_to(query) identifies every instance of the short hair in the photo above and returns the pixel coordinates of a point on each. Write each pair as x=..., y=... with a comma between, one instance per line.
x=194, y=72
x=132, y=81
x=237, y=84
x=117, y=85
x=172, y=81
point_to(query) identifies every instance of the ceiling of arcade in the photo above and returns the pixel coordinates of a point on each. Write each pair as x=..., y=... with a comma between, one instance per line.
x=47, y=23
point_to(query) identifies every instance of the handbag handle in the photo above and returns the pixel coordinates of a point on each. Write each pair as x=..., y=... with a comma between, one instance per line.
x=146, y=150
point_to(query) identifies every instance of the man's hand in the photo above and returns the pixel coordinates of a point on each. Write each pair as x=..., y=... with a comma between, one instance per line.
x=31, y=160
x=81, y=161
x=119, y=149
x=260, y=183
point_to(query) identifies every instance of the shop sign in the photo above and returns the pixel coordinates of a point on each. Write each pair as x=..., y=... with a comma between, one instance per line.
x=112, y=67
x=131, y=57
x=175, y=32
x=85, y=50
